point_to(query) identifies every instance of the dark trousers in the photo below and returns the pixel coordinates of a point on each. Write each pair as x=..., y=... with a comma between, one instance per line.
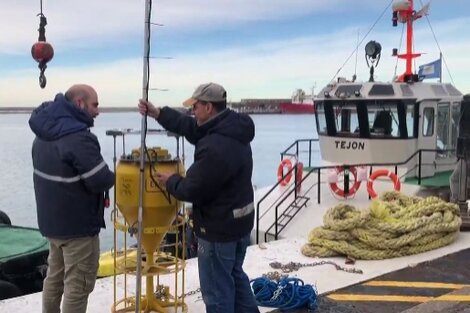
x=225, y=286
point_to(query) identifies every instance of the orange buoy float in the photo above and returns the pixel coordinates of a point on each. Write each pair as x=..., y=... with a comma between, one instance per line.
x=284, y=180
x=340, y=192
x=380, y=173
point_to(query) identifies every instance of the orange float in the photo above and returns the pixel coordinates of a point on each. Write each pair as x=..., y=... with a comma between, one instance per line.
x=340, y=192
x=284, y=180
x=381, y=173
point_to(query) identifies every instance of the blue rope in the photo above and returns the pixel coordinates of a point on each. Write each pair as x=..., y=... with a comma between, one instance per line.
x=286, y=294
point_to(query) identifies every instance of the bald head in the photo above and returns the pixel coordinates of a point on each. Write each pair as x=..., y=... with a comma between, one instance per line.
x=85, y=97
x=81, y=91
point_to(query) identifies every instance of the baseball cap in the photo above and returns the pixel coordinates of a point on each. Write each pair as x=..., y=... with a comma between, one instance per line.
x=210, y=92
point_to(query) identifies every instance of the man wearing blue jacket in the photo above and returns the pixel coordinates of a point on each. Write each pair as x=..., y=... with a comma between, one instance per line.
x=70, y=178
x=218, y=184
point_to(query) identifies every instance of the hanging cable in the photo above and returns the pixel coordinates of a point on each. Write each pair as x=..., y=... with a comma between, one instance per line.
x=438, y=46
x=399, y=48
x=363, y=38
x=357, y=50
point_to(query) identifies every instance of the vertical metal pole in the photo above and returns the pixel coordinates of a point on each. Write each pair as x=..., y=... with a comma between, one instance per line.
x=419, y=167
x=297, y=150
x=318, y=185
x=143, y=127
x=440, y=67
x=276, y=212
x=114, y=220
x=310, y=153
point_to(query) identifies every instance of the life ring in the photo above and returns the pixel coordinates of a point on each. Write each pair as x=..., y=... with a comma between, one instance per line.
x=284, y=180
x=300, y=174
x=352, y=190
x=380, y=173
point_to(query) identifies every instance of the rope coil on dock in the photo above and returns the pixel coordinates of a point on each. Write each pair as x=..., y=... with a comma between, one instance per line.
x=393, y=226
x=285, y=294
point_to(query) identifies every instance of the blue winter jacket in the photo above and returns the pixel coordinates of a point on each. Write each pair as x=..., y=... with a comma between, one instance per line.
x=218, y=183
x=70, y=175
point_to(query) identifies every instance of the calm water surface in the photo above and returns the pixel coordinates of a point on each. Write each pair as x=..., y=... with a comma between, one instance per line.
x=274, y=133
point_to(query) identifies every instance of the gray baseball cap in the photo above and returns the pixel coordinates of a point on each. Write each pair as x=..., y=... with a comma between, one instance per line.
x=210, y=92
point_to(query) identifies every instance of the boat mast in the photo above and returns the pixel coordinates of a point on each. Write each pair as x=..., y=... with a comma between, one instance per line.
x=404, y=11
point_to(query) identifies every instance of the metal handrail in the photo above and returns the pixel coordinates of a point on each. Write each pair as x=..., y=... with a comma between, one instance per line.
x=319, y=168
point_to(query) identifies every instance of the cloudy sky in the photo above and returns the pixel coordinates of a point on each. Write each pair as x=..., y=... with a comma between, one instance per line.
x=255, y=48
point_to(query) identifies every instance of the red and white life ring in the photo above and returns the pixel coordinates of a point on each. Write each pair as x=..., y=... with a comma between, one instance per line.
x=284, y=180
x=380, y=173
x=352, y=190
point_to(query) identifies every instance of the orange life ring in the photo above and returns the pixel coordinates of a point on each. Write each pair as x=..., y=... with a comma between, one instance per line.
x=380, y=173
x=284, y=180
x=300, y=174
x=340, y=192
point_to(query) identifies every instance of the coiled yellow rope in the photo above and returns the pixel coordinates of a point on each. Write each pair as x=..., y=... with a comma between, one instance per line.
x=395, y=225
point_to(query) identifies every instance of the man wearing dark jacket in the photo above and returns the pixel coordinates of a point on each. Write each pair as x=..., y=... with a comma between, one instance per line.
x=218, y=184
x=70, y=178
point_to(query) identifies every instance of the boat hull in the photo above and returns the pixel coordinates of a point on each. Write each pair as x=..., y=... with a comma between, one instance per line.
x=296, y=108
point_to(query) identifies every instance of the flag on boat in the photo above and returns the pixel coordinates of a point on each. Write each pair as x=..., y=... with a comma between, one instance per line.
x=423, y=12
x=431, y=70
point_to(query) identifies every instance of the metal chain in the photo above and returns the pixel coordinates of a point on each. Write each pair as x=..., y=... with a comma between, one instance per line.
x=275, y=275
x=276, y=293
x=295, y=266
x=286, y=268
x=190, y=293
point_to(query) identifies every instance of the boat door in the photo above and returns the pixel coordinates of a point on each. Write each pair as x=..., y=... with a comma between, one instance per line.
x=427, y=137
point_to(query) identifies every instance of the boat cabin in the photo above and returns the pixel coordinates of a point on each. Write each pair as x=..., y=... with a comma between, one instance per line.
x=372, y=122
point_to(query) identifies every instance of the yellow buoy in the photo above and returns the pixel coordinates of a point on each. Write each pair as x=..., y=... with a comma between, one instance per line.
x=160, y=210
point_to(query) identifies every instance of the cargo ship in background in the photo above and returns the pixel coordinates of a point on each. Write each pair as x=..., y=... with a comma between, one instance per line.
x=300, y=103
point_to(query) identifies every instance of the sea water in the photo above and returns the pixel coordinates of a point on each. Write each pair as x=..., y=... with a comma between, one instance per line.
x=274, y=133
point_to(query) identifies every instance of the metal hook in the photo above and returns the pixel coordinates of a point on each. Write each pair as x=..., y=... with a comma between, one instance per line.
x=42, y=78
x=42, y=81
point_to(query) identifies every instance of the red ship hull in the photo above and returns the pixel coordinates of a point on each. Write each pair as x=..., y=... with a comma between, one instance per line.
x=296, y=108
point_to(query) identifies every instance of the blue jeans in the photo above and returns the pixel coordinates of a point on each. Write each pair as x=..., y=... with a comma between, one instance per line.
x=224, y=285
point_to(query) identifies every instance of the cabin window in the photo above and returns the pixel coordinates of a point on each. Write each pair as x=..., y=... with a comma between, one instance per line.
x=410, y=123
x=454, y=127
x=321, y=118
x=383, y=119
x=346, y=120
x=367, y=119
x=443, y=125
x=428, y=122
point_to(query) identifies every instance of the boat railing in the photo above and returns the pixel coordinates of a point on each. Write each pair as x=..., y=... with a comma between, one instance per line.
x=297, y=152
x=294, y=189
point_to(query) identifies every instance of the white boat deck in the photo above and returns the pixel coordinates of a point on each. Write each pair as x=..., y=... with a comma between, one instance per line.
x=326, y=278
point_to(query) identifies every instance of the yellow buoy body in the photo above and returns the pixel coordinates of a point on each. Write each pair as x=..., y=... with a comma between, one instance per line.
x=159, y=208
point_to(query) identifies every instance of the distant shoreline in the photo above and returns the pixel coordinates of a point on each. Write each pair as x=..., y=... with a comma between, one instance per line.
x=24, y=110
